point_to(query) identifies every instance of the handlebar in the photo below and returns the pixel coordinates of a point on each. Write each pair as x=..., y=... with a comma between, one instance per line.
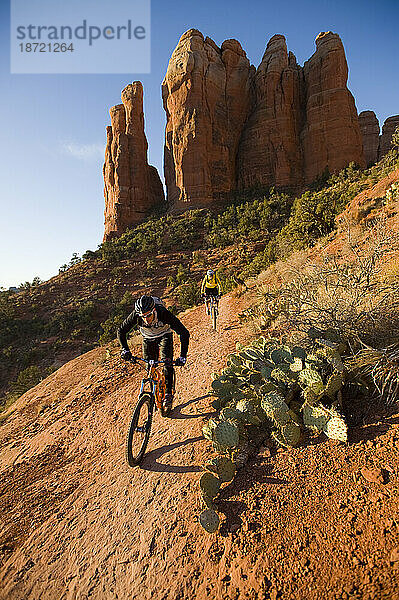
x=154, y=362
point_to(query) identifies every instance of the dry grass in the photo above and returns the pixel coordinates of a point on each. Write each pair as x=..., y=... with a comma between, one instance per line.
x=354, y=291
x=381, y=366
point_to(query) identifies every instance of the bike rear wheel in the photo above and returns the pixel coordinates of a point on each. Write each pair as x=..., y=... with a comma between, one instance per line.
x=139, y=430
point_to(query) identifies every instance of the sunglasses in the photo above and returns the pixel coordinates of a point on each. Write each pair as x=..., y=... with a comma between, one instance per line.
x=148, y=314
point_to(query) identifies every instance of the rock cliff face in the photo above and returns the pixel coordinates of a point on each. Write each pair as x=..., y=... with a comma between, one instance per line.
x=331, y=136
x=270, y=151
x=388, y=130
x=206, y=98
x=230, y=126
x=376, y=146
x=370, y=130
x=131, y=187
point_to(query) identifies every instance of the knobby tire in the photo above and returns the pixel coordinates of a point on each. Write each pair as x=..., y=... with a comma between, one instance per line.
x=214, y=316
x=136, y=440
x=166, y=412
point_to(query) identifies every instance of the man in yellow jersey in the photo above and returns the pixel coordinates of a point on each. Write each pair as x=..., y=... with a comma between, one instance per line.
x=210, y=286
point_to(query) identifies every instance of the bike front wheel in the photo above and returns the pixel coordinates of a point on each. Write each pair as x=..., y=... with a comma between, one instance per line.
x=214, y=316
x=139, y=430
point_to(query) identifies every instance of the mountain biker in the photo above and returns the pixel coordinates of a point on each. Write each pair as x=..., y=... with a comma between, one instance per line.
x=210, y=286
x=155, y=323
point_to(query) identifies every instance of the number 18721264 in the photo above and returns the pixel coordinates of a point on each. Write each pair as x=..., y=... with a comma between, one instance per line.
x=43, y=47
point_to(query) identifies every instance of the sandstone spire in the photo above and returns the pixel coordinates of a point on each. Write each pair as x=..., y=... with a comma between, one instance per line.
x=131, y=187
x=206, y=97
x=331, y=137
x=370, y=130
x=270, y=152
x=388, y=129
x=231, y=127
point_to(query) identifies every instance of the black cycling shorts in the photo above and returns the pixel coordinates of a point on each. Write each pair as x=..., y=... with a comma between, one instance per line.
x=211, y=291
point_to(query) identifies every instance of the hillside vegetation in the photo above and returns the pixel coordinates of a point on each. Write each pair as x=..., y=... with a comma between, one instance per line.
x=47, y=324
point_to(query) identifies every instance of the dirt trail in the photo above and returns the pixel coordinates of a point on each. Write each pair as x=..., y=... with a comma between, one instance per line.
x=78, y=523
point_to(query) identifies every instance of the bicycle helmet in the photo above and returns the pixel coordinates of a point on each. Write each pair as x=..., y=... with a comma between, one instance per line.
x=210, y=272
x=144, y=305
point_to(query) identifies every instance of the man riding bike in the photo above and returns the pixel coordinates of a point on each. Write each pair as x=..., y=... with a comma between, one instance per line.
x=155, y=324
x=210, y=286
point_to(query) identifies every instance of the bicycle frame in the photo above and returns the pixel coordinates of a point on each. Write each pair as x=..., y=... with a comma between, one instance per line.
x=152, y=393
x=156, y=380
x=213, y=300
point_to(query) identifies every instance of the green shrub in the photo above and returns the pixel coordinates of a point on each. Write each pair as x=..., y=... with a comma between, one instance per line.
x=182, y=274
x=188, y=294
x=119, y=312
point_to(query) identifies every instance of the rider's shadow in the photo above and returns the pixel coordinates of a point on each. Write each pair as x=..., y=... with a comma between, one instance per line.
x=178, y=414
x=150, y=461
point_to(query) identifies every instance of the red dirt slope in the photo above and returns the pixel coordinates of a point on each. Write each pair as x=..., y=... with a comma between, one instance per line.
x=78, y=523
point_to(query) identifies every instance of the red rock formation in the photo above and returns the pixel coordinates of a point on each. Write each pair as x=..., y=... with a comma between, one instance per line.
x=270, y=151
x=229, y=126
x=370, y=130
x=388, y=130
x=331, y=137
x=131, y=187
x=206, y=98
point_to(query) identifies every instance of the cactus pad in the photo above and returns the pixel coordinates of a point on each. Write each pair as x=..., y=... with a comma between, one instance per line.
x=210, y=485
x=281, y=416
x=279, y=375
x=207, y=501
x=209, y=519
x=271, y=402
x=333, y=385
x=297, y=365
x=315, y=417
x=291, y=434
x=281, y=354
x=229, y=414
x=226, y=434
x=298, y=352
x=225, y=468
x=311, y=378
x=336, y=429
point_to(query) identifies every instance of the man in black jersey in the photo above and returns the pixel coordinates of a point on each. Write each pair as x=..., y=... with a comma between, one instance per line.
x=155, y=323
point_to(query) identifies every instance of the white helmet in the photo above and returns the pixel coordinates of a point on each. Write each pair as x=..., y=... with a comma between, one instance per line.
x=210, y=272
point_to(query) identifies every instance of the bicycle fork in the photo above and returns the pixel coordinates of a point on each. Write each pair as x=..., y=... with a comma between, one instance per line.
x=147, y=425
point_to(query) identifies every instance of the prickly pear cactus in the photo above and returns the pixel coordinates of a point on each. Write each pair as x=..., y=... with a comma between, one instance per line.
x=224, y=467
x=209, y=519
x=329, y=421
x=226, y=434
x=210, y=485
x=336, y=429
x=269, y=388
x=315, y=417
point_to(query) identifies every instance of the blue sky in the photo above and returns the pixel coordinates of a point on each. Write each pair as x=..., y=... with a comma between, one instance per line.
x=53, y=126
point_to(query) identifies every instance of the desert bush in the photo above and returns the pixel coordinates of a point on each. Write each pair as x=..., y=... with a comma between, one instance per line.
x=346, y=293
x=262, y=260
x=188, y=294
x=381, y=367
x=118, y=313
x=254, y=220
x=313, y=214
x=182, y=274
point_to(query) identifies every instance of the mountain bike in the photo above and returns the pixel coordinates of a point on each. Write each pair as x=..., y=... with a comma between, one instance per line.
x=212, y=306
x=151, y=395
